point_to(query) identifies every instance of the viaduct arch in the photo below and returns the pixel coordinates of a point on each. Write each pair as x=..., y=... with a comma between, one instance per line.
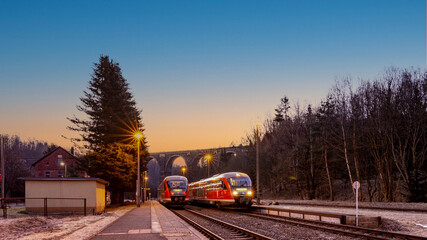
x=191, y=157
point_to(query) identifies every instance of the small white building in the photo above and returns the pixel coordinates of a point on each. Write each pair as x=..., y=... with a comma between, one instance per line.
x=64, y=194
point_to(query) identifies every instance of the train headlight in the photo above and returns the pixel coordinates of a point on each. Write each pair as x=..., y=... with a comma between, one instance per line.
x=235, y=192
x=249, y=193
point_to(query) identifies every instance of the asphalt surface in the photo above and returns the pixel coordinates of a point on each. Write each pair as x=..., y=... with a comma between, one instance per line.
x=136, y=224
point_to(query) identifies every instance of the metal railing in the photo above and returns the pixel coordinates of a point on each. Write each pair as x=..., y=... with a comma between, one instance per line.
x=5, y=201
x=269, y=210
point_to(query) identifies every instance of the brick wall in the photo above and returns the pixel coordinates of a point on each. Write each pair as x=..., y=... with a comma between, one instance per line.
x=50, y=165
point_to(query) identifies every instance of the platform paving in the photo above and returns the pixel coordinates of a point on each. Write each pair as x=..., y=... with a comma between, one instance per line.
x=151, y=221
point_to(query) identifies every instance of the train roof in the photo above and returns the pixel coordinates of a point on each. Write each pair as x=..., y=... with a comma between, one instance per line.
x=175, y=177
x=221, y=175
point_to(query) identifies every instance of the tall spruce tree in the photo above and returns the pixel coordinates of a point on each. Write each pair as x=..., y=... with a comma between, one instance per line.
x=106, y=133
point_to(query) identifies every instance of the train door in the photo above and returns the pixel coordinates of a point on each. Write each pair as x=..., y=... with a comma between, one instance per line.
x=224, y=192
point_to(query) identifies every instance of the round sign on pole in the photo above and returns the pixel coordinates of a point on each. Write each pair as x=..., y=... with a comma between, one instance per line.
x=356, y=185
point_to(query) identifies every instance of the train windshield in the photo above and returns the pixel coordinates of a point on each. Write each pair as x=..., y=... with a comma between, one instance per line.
x=181, y=184
x=236, y=182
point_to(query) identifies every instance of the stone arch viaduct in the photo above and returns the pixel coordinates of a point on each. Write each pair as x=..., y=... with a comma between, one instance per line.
x=191, y=157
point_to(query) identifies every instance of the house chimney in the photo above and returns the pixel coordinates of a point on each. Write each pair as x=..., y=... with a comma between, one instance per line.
x=72, y=151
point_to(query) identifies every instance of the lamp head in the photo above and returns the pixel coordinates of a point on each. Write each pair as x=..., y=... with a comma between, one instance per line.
x=138, y=135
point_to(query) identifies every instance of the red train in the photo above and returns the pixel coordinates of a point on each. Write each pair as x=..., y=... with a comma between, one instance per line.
x=173, y=191
x=233, y=189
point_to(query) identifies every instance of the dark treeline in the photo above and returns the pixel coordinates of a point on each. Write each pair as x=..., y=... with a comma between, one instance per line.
x=19, y=156
x=374, y=133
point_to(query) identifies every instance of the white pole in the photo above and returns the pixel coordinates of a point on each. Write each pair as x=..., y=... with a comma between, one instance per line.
x=357, y=206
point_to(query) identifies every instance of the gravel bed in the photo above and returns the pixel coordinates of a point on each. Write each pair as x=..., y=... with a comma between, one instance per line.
x=215, y=228
x=271, y=228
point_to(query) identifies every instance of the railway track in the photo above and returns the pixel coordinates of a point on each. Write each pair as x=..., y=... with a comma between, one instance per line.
x=228, y=231
x=346, y=230
x=422, y=210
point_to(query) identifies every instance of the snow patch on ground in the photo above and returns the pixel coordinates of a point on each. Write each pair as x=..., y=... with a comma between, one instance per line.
x=58, y=227
x=408, y=222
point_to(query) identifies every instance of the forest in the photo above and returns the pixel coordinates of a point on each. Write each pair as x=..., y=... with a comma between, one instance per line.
x=19, y=155
x=374, y=133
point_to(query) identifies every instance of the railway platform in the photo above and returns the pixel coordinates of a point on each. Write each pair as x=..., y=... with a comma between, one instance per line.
x=152, y=221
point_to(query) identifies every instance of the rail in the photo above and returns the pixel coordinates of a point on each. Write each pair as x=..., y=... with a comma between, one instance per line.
x=4, y=203
x=341, y=217
x=208, y=233
x=248, y=232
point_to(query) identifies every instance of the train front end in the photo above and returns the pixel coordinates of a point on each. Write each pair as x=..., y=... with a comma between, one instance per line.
x=241, y=189
x=177, y=191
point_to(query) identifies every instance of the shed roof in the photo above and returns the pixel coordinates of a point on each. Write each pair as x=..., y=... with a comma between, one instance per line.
x=64, y=179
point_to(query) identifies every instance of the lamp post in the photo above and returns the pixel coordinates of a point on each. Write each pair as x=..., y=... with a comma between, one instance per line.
x=183, y=171
x=2, y=175
x=145, y=186
x=257, y=166
x=208, y=157
x=65, y=165
x=138, y=136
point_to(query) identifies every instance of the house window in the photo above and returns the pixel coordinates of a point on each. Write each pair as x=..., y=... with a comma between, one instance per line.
x=47, y=163
x=47, y=174
x=60, y=174
x=59, y=160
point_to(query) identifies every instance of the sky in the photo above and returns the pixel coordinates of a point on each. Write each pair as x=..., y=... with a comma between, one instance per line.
x=203, y=72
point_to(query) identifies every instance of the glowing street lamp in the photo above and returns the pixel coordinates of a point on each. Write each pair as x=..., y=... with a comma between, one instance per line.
x=138, y=136
x=183, y=169
x=65, y=165
x=145, y=186
x=208, y=158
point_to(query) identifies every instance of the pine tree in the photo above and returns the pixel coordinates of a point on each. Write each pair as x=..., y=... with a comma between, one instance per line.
x=282, y=110
x=112, y=117
x=109, y=105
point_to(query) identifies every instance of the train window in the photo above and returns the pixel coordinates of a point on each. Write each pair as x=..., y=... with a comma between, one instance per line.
x=218, y=185
x=177, y=184
x=239, y=182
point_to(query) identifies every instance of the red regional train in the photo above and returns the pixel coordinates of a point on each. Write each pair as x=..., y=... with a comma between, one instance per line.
x=233, y=189
x=173, y=191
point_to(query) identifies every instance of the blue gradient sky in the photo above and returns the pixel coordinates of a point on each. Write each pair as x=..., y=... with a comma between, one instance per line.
x=202, y=71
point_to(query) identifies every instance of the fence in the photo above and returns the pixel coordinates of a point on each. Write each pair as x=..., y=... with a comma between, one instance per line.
x=320, y=215
x=38, y=205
